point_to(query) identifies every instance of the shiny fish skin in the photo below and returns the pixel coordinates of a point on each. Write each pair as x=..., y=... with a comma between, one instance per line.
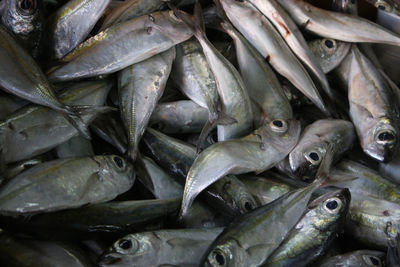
x=329, y=52
x=33, y=129
x=267, y=40
x=345, y=6
x=9, y=104
x=373, y=109
x=140, y=87
x=391, y=169
x=262, y=84
x=391, y=6
x=339, y=26
x=361, y=258
x=182, y=116
x=24, y=78
x=122, y=45
x=182, y=247
x=315, y=232
x=26, y=21
x=68, y=182
x=74, y=148
x=67, y=28
x=293, y=37
x=309, y=152
x=256, y=152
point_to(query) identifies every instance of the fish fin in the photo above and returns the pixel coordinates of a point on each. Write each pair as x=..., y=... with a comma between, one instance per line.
x=190, y=21
x=144, y=176
x=198, y=16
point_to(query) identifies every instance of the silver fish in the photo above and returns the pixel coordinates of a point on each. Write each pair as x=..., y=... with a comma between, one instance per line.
x=74, y=148
x=361, y=258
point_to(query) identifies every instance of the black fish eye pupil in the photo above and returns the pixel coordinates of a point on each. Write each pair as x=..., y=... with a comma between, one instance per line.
x=248, y=206
x=329, y=43
x=219, y=258
x=26, y=4
x=314, y=156
x=332, y=205
x=374, y=261
x=278, y=123
x=119, y=162
x=386, y=136
x=125, y=244
x=381, y=7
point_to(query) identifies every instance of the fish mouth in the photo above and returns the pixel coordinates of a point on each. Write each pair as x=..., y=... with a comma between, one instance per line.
x=107, y=260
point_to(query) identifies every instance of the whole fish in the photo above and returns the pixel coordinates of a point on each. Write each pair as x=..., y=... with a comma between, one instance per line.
x=329, y=52
x=262, y=84
x=373, y=108
x=231, y=88
x=25, y=253
x=315, y=232
x=24, y=18
x=75, y=147
x=361, y=258
x=256, y=152
x=228, y=195
x=33, y=130
x=71, y=24
x=182, y=247
x=140, y=87
x=307, y=155
x=24, y=78
x=122, y=45
x=293, y=37
x=68, y=183
x=391, y=6
x=183, y=116
x=266, y=39
x=336, y=25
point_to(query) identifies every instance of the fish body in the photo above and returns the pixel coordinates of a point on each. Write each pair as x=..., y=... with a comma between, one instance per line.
x=362, y=258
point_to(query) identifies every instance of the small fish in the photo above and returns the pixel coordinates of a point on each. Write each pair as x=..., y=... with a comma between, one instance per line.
x=362, y=258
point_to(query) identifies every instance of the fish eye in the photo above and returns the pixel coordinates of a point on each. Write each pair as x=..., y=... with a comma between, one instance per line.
x=126, y=245
x=333, y=205
x=119, y=162
x=329, y=45
x=313, y=157
x=219, y=258
x=382, y=5
x=279, y=126
x=247, y=205
x=27, y=5
x=386, y=137
x=372, y=260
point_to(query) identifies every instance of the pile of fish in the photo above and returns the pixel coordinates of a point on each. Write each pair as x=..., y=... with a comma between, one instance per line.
x=199, y=133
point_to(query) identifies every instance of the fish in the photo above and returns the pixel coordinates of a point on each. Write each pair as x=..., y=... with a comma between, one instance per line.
x=68, y=183
x=391, y=170
x=336, y=25
x=25, y=19
x=9, y=104
x=256, y=152
x=180, y=247
x=306, y=156
x=373, y=108
x=329, y=52
x=183, y=116
x=71, y=24
x=294, y=38
x=315, y=232
x=33, y=130
x=140, y=86
x=122, y=45
x=19, y=167
x=24, y=78
x=390, y=6
x=74, y=148
x=346, y=6
x=393, y=251
x=362, y=258
x=261, y=33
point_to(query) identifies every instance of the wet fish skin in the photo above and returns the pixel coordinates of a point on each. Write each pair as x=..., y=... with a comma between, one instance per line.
x=336, y=25
x=315, y=232
x=25, y=133
x=391, y=170
x=373, y=109
x=122, y=45
x=305, y=158
x=26, y=21
x=181, y=247
x=256, y=152
x=9, y=104
x=68, y=182
x=346, y=6
x=390, y=6
x=266, y=39
x=16, y=169
x=71, y=24
x=140, y=87
x=329, y=52
x=74, y=148
x=183, y=116
x=362, y=258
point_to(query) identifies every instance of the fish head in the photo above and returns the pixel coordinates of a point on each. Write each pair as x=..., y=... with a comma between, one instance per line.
x=22, y=16
x=371, y=258
x=384, y=5
x=170, y=25
x=306, y=157
x=281, y=133
x=130, y=250
x=228, y=253
x=380, y=141
x=331, y=208
x=117, y=172
x=237, y=8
